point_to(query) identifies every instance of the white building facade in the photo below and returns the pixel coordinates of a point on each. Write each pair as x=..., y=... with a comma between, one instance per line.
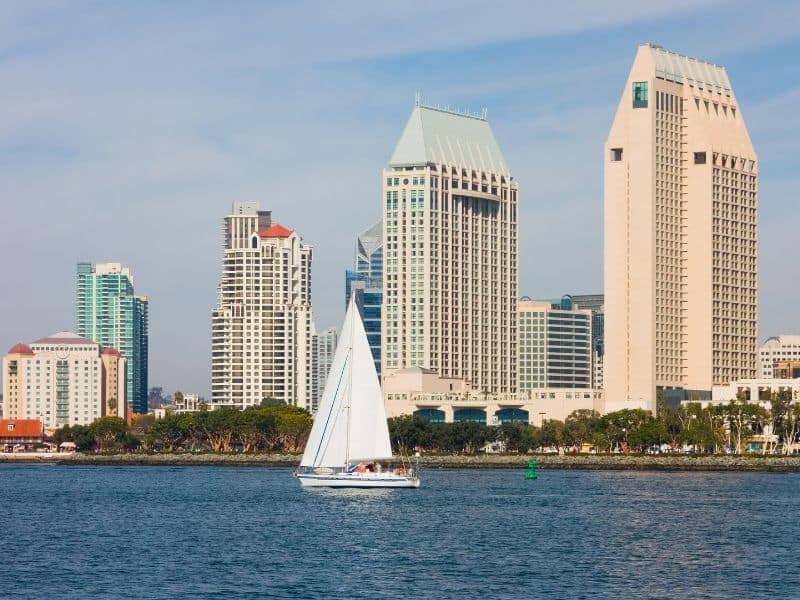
x=755, y=390
x=261, y=327
x=777, y=349
x=450, y=279
x=62, y=380
x=422, y=392
x=188, y=403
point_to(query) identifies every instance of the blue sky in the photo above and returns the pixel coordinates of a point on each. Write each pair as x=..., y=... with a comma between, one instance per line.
x=127, y=129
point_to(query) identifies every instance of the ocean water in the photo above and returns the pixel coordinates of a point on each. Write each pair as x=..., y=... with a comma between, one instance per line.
x=218, y=532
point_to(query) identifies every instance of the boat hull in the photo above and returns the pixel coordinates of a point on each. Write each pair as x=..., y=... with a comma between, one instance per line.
x=346, y=480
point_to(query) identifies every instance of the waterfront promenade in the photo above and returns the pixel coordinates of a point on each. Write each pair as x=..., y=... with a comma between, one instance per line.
x=454, y=461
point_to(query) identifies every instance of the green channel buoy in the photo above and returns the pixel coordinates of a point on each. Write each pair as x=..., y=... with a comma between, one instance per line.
x=531, y=474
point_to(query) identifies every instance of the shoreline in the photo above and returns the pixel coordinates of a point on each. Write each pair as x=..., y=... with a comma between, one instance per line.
x=593, y=462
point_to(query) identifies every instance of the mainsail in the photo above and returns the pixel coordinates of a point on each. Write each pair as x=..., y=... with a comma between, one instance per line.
x=350, y=424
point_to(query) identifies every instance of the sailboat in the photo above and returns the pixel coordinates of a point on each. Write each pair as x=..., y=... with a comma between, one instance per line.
x=350, y=434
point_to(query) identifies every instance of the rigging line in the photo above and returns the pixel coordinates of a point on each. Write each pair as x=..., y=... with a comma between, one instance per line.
x=333, y=404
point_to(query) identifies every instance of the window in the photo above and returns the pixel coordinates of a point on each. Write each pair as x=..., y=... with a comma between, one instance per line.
x=616, y=154
x=699, y=158
x=639, y=94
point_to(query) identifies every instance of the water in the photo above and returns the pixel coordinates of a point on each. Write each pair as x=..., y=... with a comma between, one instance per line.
x=161, y=532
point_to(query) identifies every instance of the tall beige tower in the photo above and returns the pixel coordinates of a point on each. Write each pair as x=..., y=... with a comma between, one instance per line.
x=681, y=234
x=450, y=252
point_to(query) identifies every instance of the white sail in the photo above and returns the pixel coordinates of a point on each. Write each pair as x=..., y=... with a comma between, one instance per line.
x=350, y=424
x=369, y=432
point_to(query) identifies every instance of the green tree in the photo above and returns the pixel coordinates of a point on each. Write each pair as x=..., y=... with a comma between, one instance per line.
x=167, y=434
x=778, y=415
x=552, y=434
x=256, y=427
x=580, y=425
x=218, y=427
x=791, y=429
x=270, y=401
x=78, y=434
x=109, y=433
x=516, y=436
x=463, y=436
x=650, y=432
x=743, y=418
x=293, y=427
x=619, y=424
x=409, y=433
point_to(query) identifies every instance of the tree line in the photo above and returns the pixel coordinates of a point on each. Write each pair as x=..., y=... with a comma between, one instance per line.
x=723, y=428
x=256, y=429
x=278, y=428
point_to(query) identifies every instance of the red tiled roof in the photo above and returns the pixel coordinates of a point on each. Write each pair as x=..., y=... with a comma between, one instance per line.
x=111, y=351
x=276, y=231
x=20, y=428
x=21, y=349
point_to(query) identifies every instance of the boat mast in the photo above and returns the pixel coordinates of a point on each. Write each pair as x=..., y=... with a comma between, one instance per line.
x=349, y=389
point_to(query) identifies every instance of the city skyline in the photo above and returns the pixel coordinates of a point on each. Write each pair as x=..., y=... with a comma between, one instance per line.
x=66, y=156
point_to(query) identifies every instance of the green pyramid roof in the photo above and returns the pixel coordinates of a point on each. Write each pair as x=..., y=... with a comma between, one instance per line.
x=433, y=135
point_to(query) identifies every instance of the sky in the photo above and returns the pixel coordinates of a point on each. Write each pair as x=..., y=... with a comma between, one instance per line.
x=127, y=130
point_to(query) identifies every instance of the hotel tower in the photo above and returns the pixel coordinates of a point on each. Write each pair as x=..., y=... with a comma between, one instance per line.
x=681, y=234
x=450, y=252
x=261, y=327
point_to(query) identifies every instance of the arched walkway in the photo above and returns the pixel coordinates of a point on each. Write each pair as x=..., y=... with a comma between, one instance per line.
x=512, y=415
x=474, y=415
x=433, y=415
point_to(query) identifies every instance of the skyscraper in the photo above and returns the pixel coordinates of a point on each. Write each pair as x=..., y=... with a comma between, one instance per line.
x=555, y=345
x=681, y=245
x=450, y=252
x=595, y=303
x=366, y=283
x=323, y=349
x=261, y=327
x=108, y=311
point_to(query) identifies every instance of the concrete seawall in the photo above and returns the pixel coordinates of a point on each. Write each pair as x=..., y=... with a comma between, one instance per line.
x=478, y=461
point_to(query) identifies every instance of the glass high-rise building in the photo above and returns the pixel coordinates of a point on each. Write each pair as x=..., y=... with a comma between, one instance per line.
x=108, y=312
x=366, y=283
x=595, y=303
x=555, y=345
x=681, y=234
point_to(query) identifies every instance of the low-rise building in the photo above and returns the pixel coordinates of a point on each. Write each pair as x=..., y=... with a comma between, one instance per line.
x=63, y=379
x=786, y=369
x=189, y=403
x=779, y=348
x=754, y=390
x=20, y=434
x=424, y=393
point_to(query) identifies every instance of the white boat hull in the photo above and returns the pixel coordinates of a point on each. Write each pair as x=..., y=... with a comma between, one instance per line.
x=358, y=480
